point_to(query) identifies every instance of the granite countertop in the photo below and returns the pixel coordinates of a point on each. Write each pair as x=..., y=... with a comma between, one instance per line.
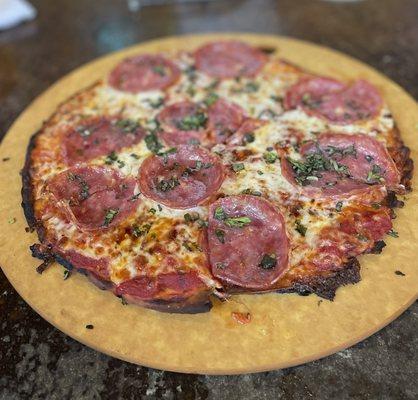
x=39, y=362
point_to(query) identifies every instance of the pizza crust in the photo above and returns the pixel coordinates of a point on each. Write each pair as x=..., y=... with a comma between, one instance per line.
x=285, y=330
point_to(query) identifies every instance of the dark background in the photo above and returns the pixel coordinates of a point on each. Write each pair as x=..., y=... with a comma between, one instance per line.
x=39, y=362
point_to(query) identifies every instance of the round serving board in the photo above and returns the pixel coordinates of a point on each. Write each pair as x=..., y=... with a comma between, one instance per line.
x=285, y=330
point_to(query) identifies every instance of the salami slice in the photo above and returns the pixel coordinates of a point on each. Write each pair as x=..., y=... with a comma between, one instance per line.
x=143, y=73
x=183, y=123
x=334, y=100
x=99, y=136
x=229, y=59
x=95, y=197
x=341, y=163
x=182, y=179
x=98, y=267
x=247, y=241
x=225, y=119
x=167, y=285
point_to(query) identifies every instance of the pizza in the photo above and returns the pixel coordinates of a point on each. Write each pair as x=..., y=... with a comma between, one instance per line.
x=199, y=174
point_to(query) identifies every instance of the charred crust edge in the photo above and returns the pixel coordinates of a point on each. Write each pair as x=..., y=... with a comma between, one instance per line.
x=326, y=286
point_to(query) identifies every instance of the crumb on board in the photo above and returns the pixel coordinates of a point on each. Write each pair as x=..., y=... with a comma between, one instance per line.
x=400, y=273
x=241, y=318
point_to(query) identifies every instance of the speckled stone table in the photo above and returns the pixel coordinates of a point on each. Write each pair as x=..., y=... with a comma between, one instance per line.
x=39, y=362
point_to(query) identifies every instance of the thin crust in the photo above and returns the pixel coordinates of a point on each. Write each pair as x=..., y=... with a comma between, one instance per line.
x=323, y=286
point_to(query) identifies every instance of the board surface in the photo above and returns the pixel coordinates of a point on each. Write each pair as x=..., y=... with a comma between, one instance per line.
x=285, y=330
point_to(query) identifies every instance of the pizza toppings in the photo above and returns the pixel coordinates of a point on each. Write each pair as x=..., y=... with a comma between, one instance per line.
x=183, y=179
x=99, y=136
x=143, y=73
x=174, y=291
x=225, y=119
x=248, y=245
x=95, y=197
x=191, y=123
x=338, y=164
x=335, y=101
x=229, y=59
x=208, y=208
x=183, y=123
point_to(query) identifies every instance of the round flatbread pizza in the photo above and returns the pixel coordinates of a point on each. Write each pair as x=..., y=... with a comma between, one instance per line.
x=250, y=180
x=186, y=175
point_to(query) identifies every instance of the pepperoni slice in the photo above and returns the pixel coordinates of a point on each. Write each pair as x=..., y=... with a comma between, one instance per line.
x=247, y=241
x=245, y=133
x=98, y=136
x=225, y=118
x=334, y=100
x=96, y=197
x=99, y=267
x=183, y=123
x=229, y=59
x=190, y=123
x=181, y=179
x=341, y=163
x=169, y=285
x=144, y=72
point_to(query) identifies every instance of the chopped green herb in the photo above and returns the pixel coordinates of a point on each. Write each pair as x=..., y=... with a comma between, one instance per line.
x=237, y=222
x=268, y=261
x=121, y=163
x=237, y=167
x=362, y=238
x=210, y=99
x=165, y=154
x=191, y=217
x=220, y=265
x=219, y=214
x=248, y=138
x=277, y=99
x=393, y=233
x=166, y=185
x=251, y=192
x=260, y=172
x=123, y=301
x=140, y=231
x=220, y=234
x=111, y=158
x=157, y=103
x=339, y=206
x=135, y=197
x=67, y=274
x=159, y=69
x=301, y=228
x=127, y=125
x=202, y=223
x=368, y=158
x=310, y=169
x=152, y=142
x=191, y=246
x=193, y=122
x=135, y=156
x=84, y=187
x=374, y=174
x=270, y=157
x=152, y=210
x=109, y=216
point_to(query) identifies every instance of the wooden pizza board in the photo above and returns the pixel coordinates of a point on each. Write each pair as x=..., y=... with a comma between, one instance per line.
x=285, y=330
